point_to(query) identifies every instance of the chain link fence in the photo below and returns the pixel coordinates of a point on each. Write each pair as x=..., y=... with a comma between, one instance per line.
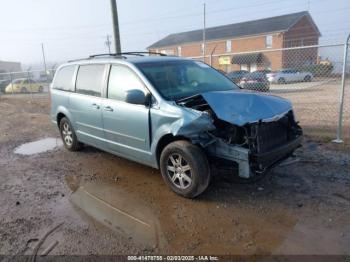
x=30, y=84
x=309, y=76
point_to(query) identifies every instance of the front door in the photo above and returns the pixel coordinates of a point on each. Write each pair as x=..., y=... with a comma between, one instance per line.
x=126, y=126
x=85, y=105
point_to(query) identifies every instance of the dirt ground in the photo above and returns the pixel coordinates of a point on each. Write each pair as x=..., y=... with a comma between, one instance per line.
x=316, y=105
x=108, y=205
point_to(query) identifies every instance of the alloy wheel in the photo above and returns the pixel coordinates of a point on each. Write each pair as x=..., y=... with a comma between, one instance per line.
x=67, y=134
x=179, y=171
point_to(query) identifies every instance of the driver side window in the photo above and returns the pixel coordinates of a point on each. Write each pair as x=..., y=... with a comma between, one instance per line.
x=121, y=79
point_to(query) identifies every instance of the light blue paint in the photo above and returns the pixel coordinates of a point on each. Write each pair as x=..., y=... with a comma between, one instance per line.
x=242, y=107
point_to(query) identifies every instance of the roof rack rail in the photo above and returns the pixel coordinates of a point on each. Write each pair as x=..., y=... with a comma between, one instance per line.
x=142, y=53
x=98, y=55
x=114, y=54
x=122, y=55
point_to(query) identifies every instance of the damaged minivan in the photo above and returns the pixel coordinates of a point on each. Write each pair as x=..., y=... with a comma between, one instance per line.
x=174, y=114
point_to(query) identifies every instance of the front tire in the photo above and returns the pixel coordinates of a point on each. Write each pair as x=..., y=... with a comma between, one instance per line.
x=68, y=135
x=185, y=168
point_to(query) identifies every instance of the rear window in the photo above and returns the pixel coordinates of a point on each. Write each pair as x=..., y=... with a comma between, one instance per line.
x=64, y=79
x=89, y=79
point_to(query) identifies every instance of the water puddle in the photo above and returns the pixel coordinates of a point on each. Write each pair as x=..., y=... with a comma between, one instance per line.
x=119, y=211
x=40, y=146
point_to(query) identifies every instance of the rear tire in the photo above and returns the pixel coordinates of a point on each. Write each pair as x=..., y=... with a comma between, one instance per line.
x=68, y=135
x=307, y=79
x=281, y=80
x=185, y=168
x=24, y=90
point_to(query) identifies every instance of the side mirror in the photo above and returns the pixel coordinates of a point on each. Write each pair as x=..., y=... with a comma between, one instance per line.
x=136, y=97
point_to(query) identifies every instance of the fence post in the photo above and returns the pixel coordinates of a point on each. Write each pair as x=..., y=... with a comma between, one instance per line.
x=30, y=85
x=11, y=78
x=342, y=94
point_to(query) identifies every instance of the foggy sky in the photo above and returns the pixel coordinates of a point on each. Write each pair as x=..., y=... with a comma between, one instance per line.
x=77, y=28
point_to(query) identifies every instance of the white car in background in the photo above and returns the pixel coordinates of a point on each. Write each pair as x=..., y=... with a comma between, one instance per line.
x=289, y=75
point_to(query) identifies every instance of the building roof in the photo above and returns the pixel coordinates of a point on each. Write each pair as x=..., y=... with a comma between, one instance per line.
x=267, y=25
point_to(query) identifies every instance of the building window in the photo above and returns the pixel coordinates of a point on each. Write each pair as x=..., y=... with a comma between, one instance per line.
x=167, y=52
x=179, y=50
x=228, y=46
x=268, y=41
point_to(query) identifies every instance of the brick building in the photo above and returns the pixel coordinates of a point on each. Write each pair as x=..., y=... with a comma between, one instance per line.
x=249, y=45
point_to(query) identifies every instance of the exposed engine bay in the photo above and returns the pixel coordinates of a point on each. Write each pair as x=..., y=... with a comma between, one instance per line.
x=255, y=146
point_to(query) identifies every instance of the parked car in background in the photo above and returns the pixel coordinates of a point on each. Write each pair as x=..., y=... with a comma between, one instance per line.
x=289, y=75
x=174, y=114
x=255, y=81
x=24, y=85
x=264, y=71
x=4, y=84
x=236, y=76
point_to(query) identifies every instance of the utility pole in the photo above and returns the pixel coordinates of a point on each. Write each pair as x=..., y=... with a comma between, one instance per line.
x=44, y=59
x=108, y=43
x=115, y=26
x=204, y=28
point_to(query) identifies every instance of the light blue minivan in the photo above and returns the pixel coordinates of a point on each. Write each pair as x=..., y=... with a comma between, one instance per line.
x=174, y=114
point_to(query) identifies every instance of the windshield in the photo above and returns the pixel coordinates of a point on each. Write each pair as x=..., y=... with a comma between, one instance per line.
x=179, y=79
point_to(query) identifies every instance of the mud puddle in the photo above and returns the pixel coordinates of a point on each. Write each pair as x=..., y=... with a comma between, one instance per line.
x=40, y=146
x=119, y=211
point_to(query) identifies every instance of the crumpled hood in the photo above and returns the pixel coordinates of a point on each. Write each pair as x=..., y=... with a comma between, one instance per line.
x=242, y=107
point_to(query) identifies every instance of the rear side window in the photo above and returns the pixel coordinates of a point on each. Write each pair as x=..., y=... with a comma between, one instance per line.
x=122, y=79
x=64, y=79
x=89, y=79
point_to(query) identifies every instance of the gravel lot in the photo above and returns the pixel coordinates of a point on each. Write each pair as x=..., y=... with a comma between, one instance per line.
x=317, y=106
x=302, y=208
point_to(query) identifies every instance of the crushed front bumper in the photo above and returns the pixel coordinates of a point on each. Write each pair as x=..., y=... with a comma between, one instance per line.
x=246, y=160
x=267, y=159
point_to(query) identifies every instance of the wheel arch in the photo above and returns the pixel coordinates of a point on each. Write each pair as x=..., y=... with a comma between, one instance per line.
x=59, y=117
x=63, y=112
x=164, y=141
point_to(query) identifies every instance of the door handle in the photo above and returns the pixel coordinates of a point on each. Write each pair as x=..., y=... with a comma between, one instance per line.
x=109, y=109
x=96, y=106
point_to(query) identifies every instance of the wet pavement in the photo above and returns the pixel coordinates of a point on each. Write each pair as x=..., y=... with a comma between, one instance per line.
x=120, y=212
x=109, y=205
x=40, y=146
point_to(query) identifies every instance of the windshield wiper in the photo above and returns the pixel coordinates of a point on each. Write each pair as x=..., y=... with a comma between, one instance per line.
x=187, y=98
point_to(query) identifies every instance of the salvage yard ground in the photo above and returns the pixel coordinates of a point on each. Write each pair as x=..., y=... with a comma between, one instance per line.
x=303, y=208
x=316, y=106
